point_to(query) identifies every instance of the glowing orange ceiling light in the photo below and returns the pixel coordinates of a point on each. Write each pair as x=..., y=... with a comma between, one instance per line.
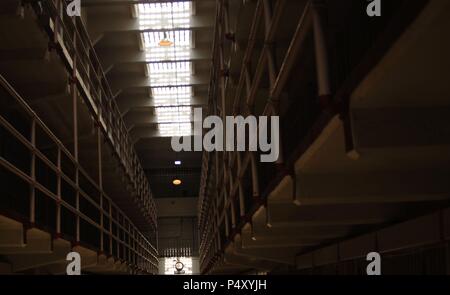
x=165, y=42
x=176, y=181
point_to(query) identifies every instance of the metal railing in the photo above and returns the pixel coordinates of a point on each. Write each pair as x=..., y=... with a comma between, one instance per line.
x=231, y=187
x=90, y=219
x=70, y=38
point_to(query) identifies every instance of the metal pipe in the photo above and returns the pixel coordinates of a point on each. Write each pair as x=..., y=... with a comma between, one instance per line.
x=233, y=214
x=267, y=16
x=292, y=53
x=321, y=51
x=239, y=186
x=33, y=174
x=255, y=177
x=58, y=193
x=248, y=53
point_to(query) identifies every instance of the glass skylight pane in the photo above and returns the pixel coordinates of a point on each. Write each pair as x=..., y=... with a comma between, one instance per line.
x=175, y=129
x=165, y=15
x=173, y=73
x=172, y=96
x=167, y=38
x=174, y=114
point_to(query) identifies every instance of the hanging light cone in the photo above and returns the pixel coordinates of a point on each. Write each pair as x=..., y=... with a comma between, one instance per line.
x=165, y=42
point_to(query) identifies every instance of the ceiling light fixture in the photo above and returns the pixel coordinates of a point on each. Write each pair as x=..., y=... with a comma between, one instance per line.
x=165, y=42
x=178, y=163
x=176, y=182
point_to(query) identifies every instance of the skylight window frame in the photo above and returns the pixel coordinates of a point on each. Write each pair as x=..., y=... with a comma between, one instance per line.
x=171, y=21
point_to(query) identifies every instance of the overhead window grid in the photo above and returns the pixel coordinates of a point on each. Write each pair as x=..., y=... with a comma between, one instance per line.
x=169, y=71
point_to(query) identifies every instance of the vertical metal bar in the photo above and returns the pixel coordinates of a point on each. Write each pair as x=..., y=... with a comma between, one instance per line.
x=271, y=65
x=217, y=233
x=272, y=71
x=231, y=182
x=102, y=242
x=78, y=212
x=75, y=136
x=225, y=195
x=233, y=216
x=255, y=177
x=321, y=51
x=217, y=174
x=248, y=82
x=110, y=229
x=241, y=192
x=119, y=224
x=226, y=21
x=100, y=184
x=447, y=257
x=267, y=16
x=129, y=246
x=222, y=86
x=56, y=22
x=254, y=168
x=227, y=230
x=33, y=174
x=58, y=193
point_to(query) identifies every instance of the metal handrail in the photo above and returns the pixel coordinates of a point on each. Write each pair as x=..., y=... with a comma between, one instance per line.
x=211, y=221
x=108, y=115
x=139, y=245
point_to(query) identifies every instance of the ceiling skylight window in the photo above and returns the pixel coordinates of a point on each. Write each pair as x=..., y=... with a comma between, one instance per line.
x=170, y=73
x=165, y=15
x=167, y=40
x=172, y=96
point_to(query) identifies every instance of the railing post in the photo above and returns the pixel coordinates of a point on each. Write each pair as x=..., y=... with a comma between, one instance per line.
x=75, y=136
x=321, y=53
x=239, y=183
x=227, y=230
x=255, y=177
x=58, y=193
x=57, y=21
x=100, y=184
x=110, y=229
x=33, y=174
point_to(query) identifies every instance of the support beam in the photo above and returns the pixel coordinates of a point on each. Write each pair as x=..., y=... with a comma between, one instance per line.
x=92, y=3
x=122, y=55
x=122, y=83
x=142, y=103
x=144, y=118
x=104, y=25
x=146, y=132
